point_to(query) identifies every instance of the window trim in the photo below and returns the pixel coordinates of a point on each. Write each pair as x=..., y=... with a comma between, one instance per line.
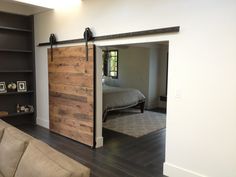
x=117, y=57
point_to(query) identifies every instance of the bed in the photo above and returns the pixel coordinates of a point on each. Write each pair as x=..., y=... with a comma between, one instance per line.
x=117, y=98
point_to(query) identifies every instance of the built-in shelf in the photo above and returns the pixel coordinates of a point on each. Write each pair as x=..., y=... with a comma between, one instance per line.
x=15, y=29
x=16, y=71
x=163, y=98
x=17, y=114
x=17, y=64
x=16, y=50
x=17, y=93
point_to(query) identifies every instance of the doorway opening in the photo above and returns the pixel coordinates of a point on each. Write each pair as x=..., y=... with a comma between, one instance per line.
x=134, y=102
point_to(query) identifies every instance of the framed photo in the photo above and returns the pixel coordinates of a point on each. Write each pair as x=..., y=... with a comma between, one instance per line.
x=21, y=86
x=3, y=87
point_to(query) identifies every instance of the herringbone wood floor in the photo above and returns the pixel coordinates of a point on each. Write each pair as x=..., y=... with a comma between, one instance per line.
x=121, y=156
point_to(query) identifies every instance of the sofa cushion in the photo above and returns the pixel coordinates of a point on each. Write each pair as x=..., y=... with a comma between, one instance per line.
x=1, y=132
x=11, y=150
x=35, y=163
x=18, y=134
x=3, y=125
x=75, y=168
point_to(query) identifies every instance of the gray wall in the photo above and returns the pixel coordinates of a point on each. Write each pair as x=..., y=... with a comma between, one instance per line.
x=144, y=69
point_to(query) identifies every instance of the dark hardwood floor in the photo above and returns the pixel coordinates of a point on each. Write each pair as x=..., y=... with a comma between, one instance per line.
x=121, y=156
x=161, y=110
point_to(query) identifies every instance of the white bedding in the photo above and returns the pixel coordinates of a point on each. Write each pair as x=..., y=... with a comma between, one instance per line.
x=115, y=98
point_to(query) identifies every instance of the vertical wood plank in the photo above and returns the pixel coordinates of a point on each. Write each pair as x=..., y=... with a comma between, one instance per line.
x=71, y=93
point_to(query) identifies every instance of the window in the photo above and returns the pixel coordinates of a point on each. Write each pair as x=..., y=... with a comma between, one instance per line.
x=110, y=63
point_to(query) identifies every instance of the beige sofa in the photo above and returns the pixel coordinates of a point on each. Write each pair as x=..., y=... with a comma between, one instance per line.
x=23, y=156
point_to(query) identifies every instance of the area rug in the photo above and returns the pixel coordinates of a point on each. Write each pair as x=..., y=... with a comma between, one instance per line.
x=133, y=123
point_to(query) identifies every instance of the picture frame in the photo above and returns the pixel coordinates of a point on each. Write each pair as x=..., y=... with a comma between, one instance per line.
x=21, y=86
x=3, y=88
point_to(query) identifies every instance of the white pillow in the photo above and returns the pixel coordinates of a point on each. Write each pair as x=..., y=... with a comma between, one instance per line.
x=106, y=80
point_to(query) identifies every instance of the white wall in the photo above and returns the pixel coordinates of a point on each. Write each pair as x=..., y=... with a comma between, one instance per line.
x=201, y=114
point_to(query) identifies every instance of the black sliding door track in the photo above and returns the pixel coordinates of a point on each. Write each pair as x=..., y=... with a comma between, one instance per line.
x=174, y=29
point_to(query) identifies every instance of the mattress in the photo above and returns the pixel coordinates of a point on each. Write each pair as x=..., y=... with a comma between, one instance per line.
x=115, y=98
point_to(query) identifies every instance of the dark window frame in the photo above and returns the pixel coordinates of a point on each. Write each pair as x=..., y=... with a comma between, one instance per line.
x=108, y=65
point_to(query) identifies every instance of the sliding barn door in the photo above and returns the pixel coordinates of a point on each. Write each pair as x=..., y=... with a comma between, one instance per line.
x=72, y=93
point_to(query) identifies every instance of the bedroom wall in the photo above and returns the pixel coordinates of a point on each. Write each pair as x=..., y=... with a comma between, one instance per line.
x=163, y=52
x=201, y=110
x=153, y=77
x=157, y=75
x=133, y=70
x=142, y=68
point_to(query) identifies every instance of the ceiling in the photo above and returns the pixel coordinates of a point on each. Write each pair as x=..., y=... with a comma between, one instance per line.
x=20, y=8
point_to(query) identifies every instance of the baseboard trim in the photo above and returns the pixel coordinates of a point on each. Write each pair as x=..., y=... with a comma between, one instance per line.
x=99, y=142
x=171, y=170
x=42, y=122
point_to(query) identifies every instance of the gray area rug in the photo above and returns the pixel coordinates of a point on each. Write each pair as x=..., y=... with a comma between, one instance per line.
x=133, y=123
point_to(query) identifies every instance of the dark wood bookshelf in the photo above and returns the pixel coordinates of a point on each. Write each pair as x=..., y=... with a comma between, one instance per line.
x=16, y=71
x=17, y=93
x=163, y=98
x=15, y=50
x=17, y=63
x=15, y=29
x=17, y=114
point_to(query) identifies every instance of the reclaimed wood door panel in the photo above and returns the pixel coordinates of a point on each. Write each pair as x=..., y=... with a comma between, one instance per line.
x=71, y=93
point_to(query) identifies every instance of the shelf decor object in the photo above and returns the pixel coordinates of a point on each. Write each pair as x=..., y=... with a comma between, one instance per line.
x=21, y=86
x=17, y=68
x=24, y=108
x=11, y=87
x=3, y=87
x=3, y=113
